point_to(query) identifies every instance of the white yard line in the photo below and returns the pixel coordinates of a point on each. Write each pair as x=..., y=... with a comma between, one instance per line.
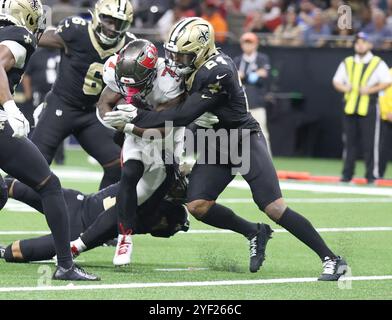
x=214, y=231
x=314, y=200
x=72, y=287
x=312, y=187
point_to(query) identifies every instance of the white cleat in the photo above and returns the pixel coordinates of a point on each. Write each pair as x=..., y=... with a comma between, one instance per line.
x=123, y=253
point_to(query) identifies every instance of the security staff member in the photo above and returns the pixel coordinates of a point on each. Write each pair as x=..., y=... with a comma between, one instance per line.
x=253, y=69
x=361, y=77
x=386, y=128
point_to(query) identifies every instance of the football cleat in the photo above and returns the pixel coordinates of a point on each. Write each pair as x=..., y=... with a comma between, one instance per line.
x=75, y=273
x=123, y=253
x=333, y=269
x=257, y=246
x=2, y=252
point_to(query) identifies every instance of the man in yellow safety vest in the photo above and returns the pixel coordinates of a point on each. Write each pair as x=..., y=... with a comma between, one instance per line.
x=386, y=128
x=361, y=77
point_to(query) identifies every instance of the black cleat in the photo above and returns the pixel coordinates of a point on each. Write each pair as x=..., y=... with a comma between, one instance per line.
x=333, y=269
x=2, y=252
x=75, y=273
x=257, y=245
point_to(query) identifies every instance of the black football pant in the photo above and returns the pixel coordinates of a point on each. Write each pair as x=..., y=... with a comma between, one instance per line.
x=360, y=131
x=207, y=181
x=58, y=120
x=385, y=146
x=21, y=159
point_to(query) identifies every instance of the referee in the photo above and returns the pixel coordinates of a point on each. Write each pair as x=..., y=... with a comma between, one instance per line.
x=361, y=77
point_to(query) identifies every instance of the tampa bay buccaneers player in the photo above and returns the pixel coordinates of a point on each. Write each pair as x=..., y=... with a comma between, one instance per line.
x=70, y=106
x=213, y=85
x=21, y=24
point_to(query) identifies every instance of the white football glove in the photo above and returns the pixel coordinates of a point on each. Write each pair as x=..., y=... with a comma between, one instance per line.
x=16, y=119
x=207, y=120
x=124, y=114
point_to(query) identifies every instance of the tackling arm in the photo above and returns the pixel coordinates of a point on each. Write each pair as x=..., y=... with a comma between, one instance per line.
x=182, y=115
x=50, y=39
x=7, y=62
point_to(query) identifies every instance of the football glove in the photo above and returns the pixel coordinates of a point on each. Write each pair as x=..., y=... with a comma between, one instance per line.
x=119, y=118
x=207, y=120
x=16, y=119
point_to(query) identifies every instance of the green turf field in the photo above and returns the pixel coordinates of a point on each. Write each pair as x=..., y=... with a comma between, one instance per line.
x=210, y=265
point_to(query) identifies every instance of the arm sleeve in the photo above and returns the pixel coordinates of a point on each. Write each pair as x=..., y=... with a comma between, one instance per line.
x=18, y=51
x=193, y=107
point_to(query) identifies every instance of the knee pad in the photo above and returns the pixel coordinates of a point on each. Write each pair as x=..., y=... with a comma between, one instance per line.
x=3, y=193
x=50, y=186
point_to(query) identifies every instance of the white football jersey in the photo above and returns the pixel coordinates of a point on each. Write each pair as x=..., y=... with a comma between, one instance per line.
x=166, y=86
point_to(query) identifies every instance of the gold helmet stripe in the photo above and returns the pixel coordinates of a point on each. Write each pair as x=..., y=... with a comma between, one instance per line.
x=175, y=33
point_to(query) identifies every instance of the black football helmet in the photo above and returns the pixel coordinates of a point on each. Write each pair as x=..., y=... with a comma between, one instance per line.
x=136, y=67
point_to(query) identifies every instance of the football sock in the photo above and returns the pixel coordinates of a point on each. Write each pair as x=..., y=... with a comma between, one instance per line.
x=38, y=249
x=8, y=254
x=126, y=205
x=57, y=218
x=302, y=229
x=103, y=229
x=111, y=175
x=25, y=194
x=79, y=245
x=224, y=218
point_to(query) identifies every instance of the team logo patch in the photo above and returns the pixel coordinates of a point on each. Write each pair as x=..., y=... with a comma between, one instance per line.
x=27, y=39
x=150, y=58
x=34, y=4
x=203, y=37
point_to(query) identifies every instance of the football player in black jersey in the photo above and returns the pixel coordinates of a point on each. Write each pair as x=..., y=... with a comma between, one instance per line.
x=213, y=85
x=21, y=23
x=70, y=106
x=95, y=217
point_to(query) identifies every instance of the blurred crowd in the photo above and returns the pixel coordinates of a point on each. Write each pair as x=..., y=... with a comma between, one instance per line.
x=279, y=22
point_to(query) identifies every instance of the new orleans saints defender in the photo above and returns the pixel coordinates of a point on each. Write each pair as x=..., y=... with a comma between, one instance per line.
x=213, y=85
x=21, y=23
x=95, y=217
x=70, y=106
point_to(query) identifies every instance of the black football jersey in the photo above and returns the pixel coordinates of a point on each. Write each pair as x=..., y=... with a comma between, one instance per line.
x=28, y=41
x=219, y=76
x=79, y=82
x=215, y=87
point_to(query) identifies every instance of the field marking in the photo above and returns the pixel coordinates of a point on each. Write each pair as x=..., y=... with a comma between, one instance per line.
x=312, y=187
x=314, y=200
x=181, y=269
x=16, y=206
x=72, y=287
x=215, y=231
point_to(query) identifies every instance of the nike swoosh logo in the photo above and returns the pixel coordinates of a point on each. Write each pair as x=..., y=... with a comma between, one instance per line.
x=221, y=77
x=205, y=97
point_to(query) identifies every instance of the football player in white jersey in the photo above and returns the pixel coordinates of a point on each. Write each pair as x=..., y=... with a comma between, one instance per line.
x=135, y=74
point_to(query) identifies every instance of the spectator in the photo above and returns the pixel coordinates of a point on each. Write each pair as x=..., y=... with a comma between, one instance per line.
x=172, y=16
x=211, y=13
x=378, y=30
x=332, y=13
x=316, y=33
x=361, y=77
x=252, y=6
x=289, y=33
x=234, y=6
x=306, y=14
x=272, y=15
x=253, y=69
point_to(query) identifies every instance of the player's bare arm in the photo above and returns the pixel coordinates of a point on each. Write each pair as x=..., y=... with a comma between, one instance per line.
x=50, y=39
x=7, y=62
